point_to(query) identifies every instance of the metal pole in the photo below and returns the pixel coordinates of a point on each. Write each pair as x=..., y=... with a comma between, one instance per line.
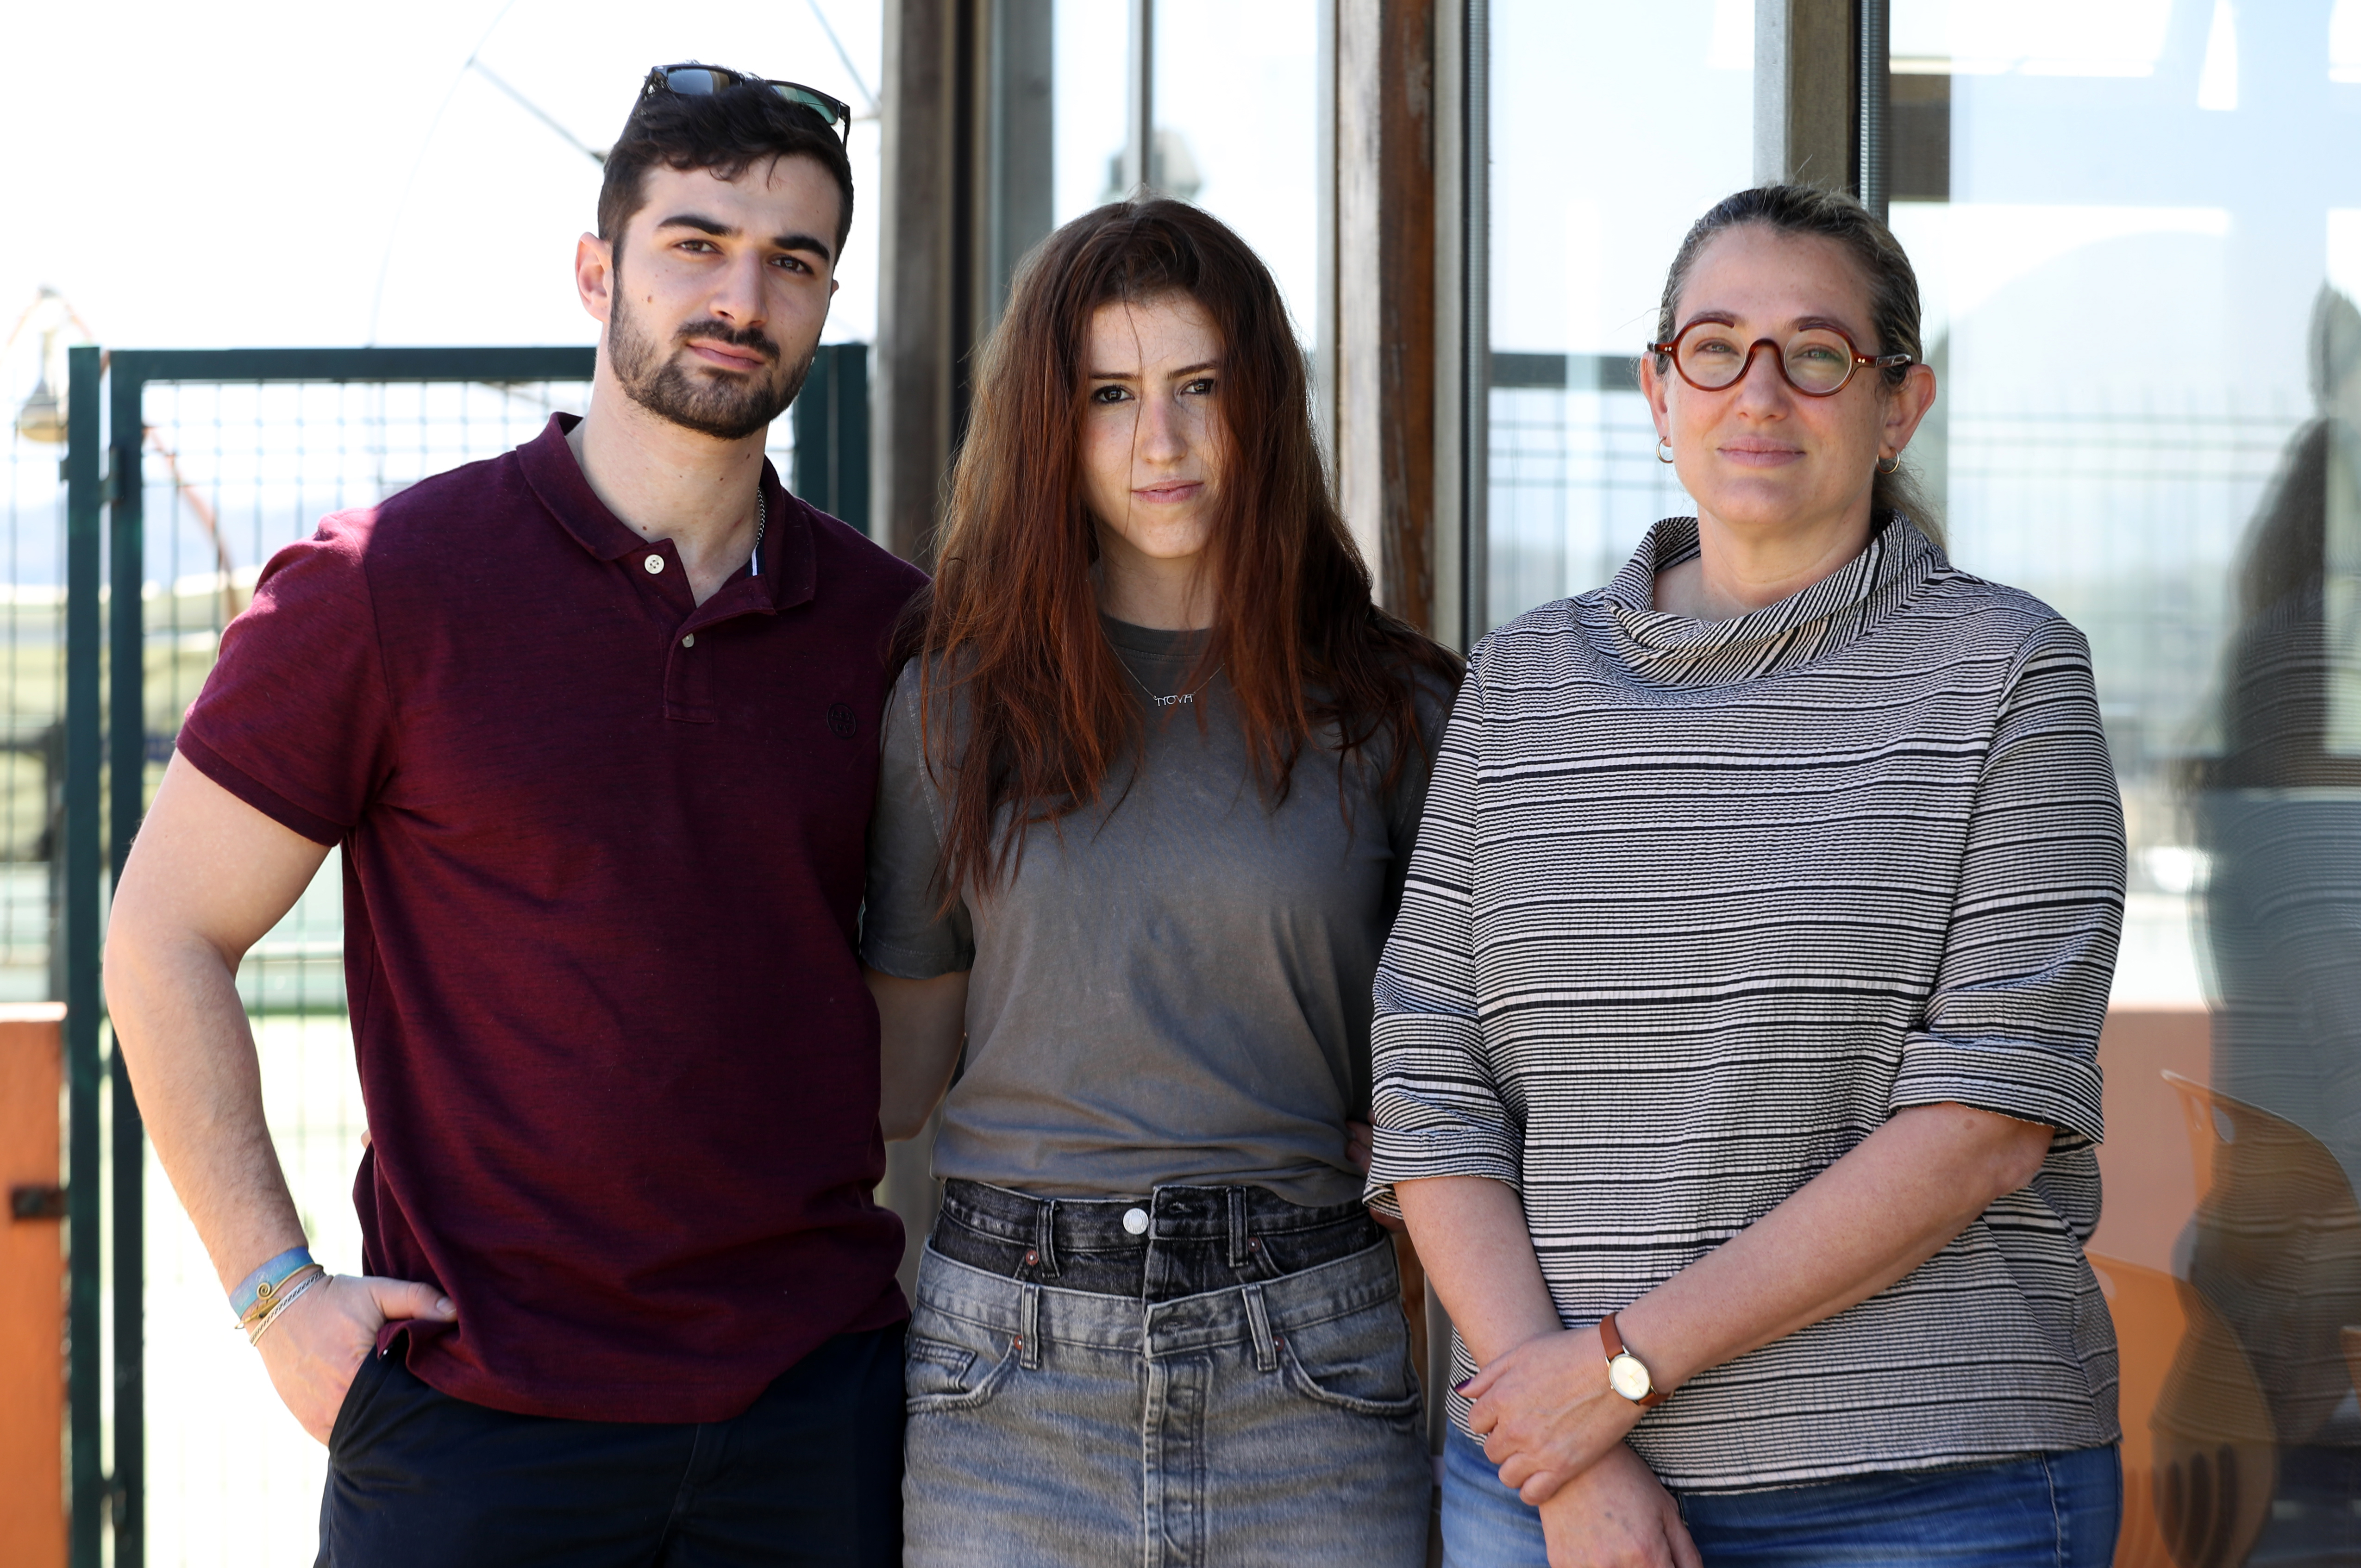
x=1139, y=135
x=1873, y=76
x=126, y=747
x=78, y=934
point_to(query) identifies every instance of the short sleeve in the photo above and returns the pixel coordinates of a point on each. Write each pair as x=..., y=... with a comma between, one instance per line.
x=296, y=719
x=1436, y=1108
x=904, y=930
x=2012, y=1024
x=1430, y=697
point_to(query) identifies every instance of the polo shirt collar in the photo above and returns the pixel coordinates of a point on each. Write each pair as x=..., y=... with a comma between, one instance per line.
x=789, y=569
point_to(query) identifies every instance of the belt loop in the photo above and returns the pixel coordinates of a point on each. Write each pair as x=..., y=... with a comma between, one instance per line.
x=1237, y=1196
x=1258, y=1326
x=1029, y=1332
x=1044, y=1237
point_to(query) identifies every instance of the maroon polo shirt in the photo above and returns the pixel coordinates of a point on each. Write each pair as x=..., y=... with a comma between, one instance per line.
x=603, y=863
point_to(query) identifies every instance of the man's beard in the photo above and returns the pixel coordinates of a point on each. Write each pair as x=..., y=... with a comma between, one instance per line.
x=659, y=382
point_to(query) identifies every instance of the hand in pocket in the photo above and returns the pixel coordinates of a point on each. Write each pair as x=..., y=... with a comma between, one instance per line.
x=324, y=1334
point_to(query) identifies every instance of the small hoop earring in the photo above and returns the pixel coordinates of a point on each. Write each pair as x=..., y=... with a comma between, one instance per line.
x=1889, y=464
x=1664, y=450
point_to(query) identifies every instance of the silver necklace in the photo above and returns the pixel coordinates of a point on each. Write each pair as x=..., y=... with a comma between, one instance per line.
x=1177, y=699
x=762, y=520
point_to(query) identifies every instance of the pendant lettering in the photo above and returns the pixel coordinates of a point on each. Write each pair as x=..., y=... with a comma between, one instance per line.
x=1175, y=701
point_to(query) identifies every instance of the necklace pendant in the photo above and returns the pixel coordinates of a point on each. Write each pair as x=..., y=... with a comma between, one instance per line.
x=1175, y=701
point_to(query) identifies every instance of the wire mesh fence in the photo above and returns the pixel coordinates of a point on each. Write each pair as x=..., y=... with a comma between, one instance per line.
x=233, y=472
x=229, y=470
x=230, y=473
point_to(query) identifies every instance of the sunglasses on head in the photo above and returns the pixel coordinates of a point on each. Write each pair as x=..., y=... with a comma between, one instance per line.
x=692, y=79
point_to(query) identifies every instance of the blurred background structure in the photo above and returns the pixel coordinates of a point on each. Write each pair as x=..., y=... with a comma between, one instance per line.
x=2138, y=227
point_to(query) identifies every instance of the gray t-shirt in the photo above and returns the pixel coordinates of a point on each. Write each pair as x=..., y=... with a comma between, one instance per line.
x=1174, y=986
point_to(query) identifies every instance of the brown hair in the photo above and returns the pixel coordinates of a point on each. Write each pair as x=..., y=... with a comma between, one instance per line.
x=1893, y=297
x=1010, y=625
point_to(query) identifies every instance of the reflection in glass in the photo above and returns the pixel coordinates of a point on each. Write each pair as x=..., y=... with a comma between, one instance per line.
x=2130, y=221
x=1596, y=173
x=2275, y=1248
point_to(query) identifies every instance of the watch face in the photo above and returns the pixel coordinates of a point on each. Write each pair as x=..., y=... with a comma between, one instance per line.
x=1628, y=1377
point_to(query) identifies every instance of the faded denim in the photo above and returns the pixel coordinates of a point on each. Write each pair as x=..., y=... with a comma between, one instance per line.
x=1223, y=1411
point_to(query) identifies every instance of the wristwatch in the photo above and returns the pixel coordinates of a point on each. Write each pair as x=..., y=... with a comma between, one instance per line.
x=1626, y=1373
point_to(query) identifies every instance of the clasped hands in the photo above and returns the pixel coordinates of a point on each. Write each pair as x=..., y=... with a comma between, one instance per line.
x=1548, y=1419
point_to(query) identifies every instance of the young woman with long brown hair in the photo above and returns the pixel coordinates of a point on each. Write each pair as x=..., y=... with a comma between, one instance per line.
x=1151, y=775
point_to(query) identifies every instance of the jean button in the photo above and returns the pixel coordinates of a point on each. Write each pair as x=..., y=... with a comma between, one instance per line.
x=1136, y=1220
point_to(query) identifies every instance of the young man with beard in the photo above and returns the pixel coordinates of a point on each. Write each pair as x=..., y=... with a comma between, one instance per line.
x=593, y=725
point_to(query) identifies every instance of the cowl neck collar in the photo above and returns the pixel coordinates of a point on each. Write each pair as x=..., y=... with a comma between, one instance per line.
x=1667, y=649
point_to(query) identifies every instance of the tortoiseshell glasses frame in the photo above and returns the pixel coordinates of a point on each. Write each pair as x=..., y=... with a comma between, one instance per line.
x=1808, y=360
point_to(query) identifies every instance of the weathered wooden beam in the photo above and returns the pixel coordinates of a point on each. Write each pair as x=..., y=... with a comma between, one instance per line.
x=1805, y=104
x=921, y=171
x=1385, y=295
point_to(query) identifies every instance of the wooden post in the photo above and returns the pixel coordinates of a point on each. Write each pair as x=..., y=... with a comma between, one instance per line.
x=32, y=1290
x=1806, y=107
x=921, y=303
x=1385, y=296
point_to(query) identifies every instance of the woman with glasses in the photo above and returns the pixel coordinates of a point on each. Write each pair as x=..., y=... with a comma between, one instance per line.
x=1736, y=1043
x=1150, y=780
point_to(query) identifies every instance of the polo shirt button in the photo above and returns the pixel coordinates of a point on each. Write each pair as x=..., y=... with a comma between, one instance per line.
x=654, y=563
x=1136, y=1220
x=689, y=641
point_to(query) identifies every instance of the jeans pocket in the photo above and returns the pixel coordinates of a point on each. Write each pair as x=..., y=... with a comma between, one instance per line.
x=1359, y=1362
x=940, y=1375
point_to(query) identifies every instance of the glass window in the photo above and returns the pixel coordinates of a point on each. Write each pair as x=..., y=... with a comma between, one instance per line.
x=1092, y=45
x=1236, y=129
x=2136, y=224
x=1613, y=126
x=1236, y=95
x=2128, y=264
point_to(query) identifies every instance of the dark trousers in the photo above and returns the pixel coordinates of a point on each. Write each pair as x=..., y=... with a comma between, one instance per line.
x=809, y=1476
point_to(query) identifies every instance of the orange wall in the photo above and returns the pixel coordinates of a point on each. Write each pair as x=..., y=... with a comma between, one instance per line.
x=32, y=1298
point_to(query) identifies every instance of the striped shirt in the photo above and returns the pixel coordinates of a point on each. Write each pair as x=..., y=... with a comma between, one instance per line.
x=1697, y=905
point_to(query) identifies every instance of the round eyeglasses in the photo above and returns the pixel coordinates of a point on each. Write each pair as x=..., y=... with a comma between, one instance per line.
x=693, y=79
x=1818, y=361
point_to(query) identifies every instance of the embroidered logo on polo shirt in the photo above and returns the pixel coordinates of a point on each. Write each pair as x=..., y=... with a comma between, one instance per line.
x=841, y=722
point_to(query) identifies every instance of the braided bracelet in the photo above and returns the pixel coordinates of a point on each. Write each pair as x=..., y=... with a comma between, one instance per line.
x=287, y=1298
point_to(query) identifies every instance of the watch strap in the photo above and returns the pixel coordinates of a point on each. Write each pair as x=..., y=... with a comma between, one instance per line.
x=1612, y=1337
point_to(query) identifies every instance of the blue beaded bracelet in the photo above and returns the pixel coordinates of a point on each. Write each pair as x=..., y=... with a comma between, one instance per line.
x=268, y=1279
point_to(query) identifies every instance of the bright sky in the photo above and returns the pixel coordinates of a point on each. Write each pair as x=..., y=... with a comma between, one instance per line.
x=195, y=174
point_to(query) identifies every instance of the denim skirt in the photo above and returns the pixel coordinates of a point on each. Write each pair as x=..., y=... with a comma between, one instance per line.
x=1207, y=1374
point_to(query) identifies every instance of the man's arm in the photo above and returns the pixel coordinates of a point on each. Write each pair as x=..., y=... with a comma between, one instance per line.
x=207, y=877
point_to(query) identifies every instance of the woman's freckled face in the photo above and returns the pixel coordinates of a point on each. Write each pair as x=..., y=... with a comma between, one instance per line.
x=1151, y=441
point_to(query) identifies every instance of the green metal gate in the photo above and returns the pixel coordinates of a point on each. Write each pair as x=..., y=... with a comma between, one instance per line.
x=184, y=471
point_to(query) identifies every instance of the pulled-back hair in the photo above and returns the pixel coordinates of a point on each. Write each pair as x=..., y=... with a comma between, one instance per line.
x=724, y=133
x=1009, y=629
x=1893, y=296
